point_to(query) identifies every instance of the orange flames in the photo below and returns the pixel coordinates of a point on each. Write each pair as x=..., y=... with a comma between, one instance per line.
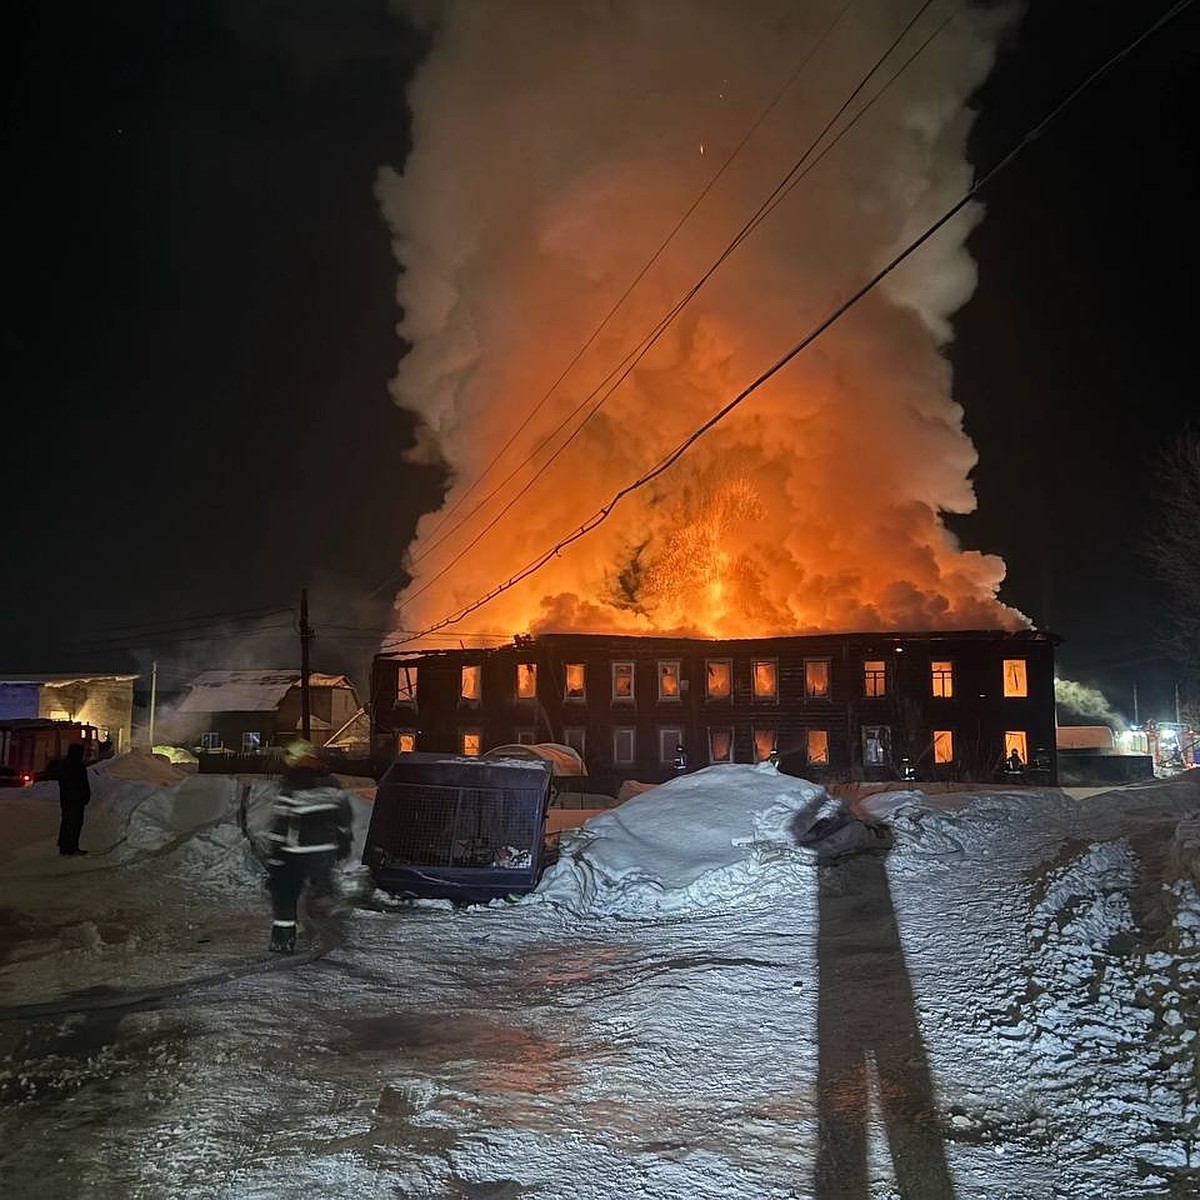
x=817, y=505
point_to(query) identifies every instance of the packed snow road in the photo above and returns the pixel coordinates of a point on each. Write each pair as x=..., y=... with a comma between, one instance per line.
x=1004, y=1005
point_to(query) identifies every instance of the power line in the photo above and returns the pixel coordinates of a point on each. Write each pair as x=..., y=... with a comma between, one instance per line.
x=798, y=171
x=674, y=455
x=641, y=274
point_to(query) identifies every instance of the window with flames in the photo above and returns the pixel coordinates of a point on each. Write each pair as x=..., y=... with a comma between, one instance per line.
x=526, y=681
x=1016, y=682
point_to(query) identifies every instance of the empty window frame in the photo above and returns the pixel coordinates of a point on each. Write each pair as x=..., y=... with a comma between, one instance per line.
x=210, y=740
x=575, y=683
x=720, y=745
x=941, y=678
x=525, y=737
x=622, y=682
x=718, y=679
x=943, y=746
x=874, y=678
x=816, y=679
x=575, y=736
x=670, y=745
x=1016, y=739
x=669, y=680
x=817, y=747
x=765, y=675
x=1016, y=681
x=251, y=742
x=764, y=744
x=470, y=742
x=470, y=684
x=624, y=746
x=406, y=685
x=406, y=741
x=526, y=681
x=876, y=745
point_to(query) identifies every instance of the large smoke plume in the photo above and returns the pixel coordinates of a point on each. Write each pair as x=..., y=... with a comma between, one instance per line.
x=554, y=147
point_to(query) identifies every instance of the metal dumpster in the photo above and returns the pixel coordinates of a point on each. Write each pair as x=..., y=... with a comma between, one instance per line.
x=454, y=828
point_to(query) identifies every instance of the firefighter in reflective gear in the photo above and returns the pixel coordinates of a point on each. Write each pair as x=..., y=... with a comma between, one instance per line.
x=311, y=829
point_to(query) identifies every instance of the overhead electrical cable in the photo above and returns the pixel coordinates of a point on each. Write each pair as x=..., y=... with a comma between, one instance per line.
x=682, y=448
x=808, y=161
x=641, y=274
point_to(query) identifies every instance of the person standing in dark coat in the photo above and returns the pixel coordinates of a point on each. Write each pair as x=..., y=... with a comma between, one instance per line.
x=311, y=830
x=74, y=792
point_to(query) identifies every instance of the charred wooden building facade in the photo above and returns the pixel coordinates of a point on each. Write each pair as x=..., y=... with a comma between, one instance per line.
x=836, y=706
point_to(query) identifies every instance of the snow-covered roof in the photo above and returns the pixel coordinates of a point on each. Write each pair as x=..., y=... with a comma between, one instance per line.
x=61, y=680
x=249, y=691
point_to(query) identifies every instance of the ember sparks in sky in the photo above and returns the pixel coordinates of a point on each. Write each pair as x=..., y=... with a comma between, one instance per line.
x=555, y=148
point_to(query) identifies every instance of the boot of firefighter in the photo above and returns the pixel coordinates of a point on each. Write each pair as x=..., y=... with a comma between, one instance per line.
x=283, y=938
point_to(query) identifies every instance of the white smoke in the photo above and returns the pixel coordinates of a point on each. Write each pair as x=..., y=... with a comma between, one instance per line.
x=1085, y=701
x=554, y=146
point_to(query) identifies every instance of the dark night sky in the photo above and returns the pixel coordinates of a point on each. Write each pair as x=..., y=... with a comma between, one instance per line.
x=196, y=419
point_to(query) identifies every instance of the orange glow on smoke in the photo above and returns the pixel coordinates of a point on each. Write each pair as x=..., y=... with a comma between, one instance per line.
x=818, y=504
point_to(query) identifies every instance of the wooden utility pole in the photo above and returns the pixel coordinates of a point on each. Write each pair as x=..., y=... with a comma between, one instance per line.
x=305, y=699
x=153, y=700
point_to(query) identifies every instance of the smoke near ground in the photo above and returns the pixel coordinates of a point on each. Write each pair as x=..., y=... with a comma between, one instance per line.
x=554, y=148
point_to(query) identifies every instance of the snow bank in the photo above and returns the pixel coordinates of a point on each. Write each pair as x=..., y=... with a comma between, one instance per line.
x=716, y=837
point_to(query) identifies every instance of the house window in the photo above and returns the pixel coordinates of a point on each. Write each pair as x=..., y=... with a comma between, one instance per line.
x=526, y=681
x=720, y=745
x=1016, y=683
x=406, y=685
x=942, y=678
x=622, y=681
x=575, y=687
x=718, y=679
x=525, y=737
x=251, y=743
x=1015, y=739
x=943, y=746
x=575, y=736
x=818, y=747
x=670, y=743
x=765, y=672
x=764, y=744
x=406, y=742
x=624, y=746
x=210, y=740
x=874, y=678
x=816, y=678
x=668, y=680
x=876, y=745
x=470, y=743
x=469, y=688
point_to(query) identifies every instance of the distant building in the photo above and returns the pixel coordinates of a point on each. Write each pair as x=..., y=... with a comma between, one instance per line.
x=104, y=702
x=247, y=711
x=833, y=706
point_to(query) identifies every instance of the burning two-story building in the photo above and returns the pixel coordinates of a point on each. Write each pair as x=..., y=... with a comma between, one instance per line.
x=952, y=705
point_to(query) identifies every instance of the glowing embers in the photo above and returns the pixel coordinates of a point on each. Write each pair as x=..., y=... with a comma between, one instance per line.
x=622, y=682
x=526, y=681
x=765, y=673
x=718, y=680
x=720, y=745
x=1016, y=681
x=941, y=675
x=406, y=685
x=817, y=747
x=575, y=685
x=943, y=746
x=816, y=678
x=1015, y=739
x=764, y=744
x=668, y=680
x=471, y=685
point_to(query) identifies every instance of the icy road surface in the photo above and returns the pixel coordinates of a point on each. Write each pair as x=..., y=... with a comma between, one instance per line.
x=1005, y=1005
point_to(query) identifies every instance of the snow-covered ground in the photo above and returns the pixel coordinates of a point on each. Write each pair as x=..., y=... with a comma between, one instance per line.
x=1004, y=1003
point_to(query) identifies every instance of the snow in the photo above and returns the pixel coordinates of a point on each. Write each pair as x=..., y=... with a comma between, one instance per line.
x=247, y=691
x=702, y=999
